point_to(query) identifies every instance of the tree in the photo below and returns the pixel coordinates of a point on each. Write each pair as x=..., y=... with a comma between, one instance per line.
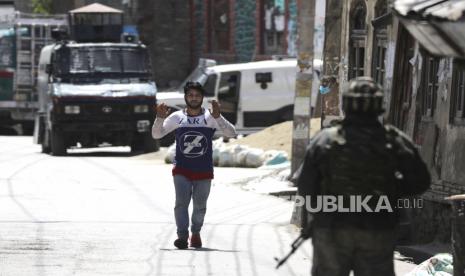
x=42, y=6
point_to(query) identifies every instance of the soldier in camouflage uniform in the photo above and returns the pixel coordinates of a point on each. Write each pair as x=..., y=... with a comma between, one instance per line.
x=359, y=157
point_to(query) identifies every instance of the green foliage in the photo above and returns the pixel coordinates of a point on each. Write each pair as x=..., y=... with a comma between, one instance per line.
x=42, y=6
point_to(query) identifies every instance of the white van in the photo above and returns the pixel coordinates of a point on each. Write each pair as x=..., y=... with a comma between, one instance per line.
x=252, y=95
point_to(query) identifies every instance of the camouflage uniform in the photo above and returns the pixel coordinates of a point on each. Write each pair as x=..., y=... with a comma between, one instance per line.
x=360, y=157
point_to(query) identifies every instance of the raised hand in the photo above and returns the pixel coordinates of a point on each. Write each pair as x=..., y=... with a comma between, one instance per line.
x=215, y=111
x=162, y=110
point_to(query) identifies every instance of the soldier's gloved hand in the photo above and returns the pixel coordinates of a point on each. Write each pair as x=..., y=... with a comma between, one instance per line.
x=306, y=232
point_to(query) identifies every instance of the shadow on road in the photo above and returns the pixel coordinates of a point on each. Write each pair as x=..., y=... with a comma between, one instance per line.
x=205, y=249
x=420, y=253
x=8, y=131
x=102, y=154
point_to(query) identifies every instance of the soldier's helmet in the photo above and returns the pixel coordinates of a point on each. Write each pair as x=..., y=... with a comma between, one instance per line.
x=363, y=96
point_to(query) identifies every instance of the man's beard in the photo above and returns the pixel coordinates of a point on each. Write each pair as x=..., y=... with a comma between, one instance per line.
x=194, y=106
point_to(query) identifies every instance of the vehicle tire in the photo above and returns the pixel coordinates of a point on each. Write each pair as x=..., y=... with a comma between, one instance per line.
x=27, y=128
x=57, y=143
x=46, y=142
x=136, y=146
x=137, y=143
x=150, y=144
x=167, y=140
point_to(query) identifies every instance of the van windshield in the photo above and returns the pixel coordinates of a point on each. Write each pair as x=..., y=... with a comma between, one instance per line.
x=103, y=60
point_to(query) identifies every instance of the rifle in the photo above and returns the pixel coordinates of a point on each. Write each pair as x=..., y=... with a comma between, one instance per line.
x=304, y=235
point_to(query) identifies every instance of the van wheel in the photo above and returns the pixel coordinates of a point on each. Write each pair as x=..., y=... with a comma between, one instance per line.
x=28, y=128
x=46, y=142
x=57, y=143
x=144, y=142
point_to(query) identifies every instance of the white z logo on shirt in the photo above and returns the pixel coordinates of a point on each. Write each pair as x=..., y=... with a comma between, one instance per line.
x=194, y=144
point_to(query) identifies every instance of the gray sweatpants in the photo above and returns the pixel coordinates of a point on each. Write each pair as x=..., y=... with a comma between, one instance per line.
x=337, y=251
x=186, y=189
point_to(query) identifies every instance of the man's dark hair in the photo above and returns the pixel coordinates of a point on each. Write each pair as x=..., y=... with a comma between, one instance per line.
x=194, y=85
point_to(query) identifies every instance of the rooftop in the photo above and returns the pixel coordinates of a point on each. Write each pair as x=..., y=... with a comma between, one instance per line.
x=96, y=8
x=452, y=10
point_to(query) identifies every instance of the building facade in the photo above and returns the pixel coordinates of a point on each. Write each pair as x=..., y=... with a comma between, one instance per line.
x=425, y=97
x=243, y=30
x=178, y=33
x=181, y=32
x=165, y=27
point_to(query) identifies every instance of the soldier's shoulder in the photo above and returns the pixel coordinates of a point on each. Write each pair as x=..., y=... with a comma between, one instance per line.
x=394, y=131
x=327, y=132
x=325, y=136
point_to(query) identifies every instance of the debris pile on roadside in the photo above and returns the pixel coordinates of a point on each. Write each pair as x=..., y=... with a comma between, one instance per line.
x=270, y=146
x=274, y=183
x=438, y=265
x=235, y=155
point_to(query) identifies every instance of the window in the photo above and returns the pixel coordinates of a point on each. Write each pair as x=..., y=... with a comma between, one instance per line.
x=379, y=44
x=79, y=61
x=401, y=98
x=274, y=26
x=6, y=49
x=228, y=95
x=429, y=85
x=220, y=23
x=105, y=60
x=210, y=85
x=379, y=56
x=357, y=40
x=135, y=61
x=458, y=95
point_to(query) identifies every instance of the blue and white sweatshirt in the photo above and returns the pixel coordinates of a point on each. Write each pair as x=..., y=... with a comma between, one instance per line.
x=194, y=135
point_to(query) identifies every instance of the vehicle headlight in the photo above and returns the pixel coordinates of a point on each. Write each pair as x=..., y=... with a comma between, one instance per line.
x=72, y=109
x=141, y=108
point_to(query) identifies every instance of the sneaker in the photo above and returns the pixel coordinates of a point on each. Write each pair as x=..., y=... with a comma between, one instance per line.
x=196, y=241
x=180, y=243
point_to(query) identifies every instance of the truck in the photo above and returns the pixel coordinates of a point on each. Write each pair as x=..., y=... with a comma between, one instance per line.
x=95, y=88
x=252, y=95
x=22, y=37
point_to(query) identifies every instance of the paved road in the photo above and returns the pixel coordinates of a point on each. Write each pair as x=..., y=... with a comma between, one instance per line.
x=106, y=212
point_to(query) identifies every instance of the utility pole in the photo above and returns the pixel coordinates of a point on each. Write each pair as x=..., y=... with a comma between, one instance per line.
x=303, y=87
x=303, y=92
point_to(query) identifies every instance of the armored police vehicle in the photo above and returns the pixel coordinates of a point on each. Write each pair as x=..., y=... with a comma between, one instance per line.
x=95, y=90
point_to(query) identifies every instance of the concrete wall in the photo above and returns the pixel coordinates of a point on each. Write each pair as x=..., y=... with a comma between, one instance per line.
x=165, y=27
x=245, y=29
x=199, y=29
